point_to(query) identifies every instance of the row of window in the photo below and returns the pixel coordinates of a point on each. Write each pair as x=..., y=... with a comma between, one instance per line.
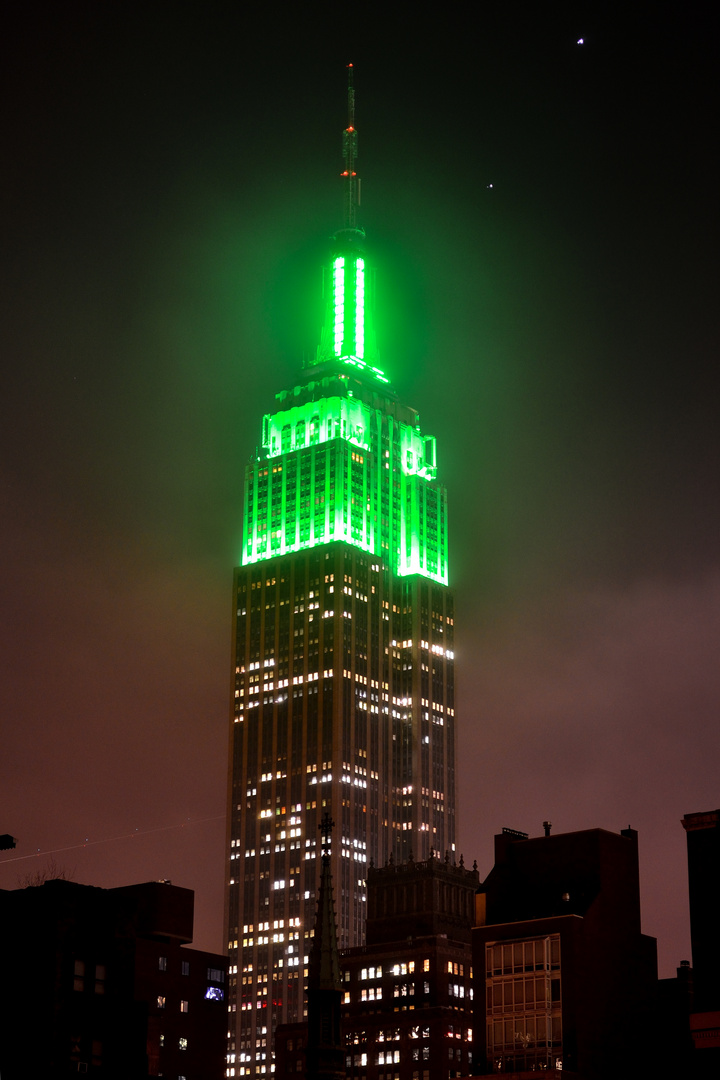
x=91, y=978
x=410, y=989
x=182, y=1045
x=541, y=954
x=360, y=1037
x=395, y=969
x=213, y=974
x=520, y=994
x=162, y=1001
x=393, y=1057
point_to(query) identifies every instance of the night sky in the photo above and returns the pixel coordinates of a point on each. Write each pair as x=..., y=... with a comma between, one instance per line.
x=543, y=215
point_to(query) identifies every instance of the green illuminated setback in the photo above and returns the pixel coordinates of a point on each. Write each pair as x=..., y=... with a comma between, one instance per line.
x=339, y=468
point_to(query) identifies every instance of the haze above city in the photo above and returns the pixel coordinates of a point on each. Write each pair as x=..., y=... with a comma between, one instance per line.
x=539, y=190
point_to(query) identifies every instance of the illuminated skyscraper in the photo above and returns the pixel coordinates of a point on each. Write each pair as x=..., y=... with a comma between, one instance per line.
x=343, y=646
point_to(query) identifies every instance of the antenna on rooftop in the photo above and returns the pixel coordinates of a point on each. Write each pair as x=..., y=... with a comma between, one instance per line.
x=352, y=183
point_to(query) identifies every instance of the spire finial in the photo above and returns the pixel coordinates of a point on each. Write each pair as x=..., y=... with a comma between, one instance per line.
x=352, y=184
x=351, y=97
x=326, y=828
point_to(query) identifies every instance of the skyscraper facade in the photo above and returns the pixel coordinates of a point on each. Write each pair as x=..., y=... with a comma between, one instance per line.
x=343, y=647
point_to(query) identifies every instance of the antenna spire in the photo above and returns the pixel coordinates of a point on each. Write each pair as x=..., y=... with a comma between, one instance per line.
x=352, y=183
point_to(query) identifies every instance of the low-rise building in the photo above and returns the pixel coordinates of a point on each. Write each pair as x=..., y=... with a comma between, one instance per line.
x=703, y=849
x=407, y=993
x=564, y=977
x=101, y=981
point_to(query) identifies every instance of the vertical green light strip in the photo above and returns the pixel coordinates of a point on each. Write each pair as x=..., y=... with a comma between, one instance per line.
x=360, y=308
x=339, y=302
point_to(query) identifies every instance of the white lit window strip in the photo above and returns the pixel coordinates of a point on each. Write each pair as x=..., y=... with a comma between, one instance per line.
x=360, y=308
x=339, y=300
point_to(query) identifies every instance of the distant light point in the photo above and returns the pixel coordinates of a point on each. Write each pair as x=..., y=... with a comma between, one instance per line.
x=581, y=41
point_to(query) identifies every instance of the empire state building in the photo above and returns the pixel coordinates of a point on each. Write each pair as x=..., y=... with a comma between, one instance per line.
x=343, y=662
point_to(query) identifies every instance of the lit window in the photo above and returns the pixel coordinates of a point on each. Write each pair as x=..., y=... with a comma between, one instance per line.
x=182, y=1043
x=161, y=1001
x=183, y=1006
x=162, y=963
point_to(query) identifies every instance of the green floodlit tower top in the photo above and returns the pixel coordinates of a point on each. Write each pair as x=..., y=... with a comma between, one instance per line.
x=342, y=459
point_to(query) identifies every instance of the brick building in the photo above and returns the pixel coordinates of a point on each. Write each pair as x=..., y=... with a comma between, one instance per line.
x=564, y=977
x=408, y=992
x=100, y=981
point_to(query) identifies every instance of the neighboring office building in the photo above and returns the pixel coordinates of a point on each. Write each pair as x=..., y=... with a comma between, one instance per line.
x=564, y=977
x=703, y=850
x=343, y=656
x=97, y=981
x=703, y=847
x=408, y=992
x=674, y=1005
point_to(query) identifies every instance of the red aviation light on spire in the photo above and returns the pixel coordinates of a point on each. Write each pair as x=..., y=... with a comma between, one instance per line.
x=352, y=192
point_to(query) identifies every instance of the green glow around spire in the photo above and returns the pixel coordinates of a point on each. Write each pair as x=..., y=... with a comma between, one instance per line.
x=341, y=458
